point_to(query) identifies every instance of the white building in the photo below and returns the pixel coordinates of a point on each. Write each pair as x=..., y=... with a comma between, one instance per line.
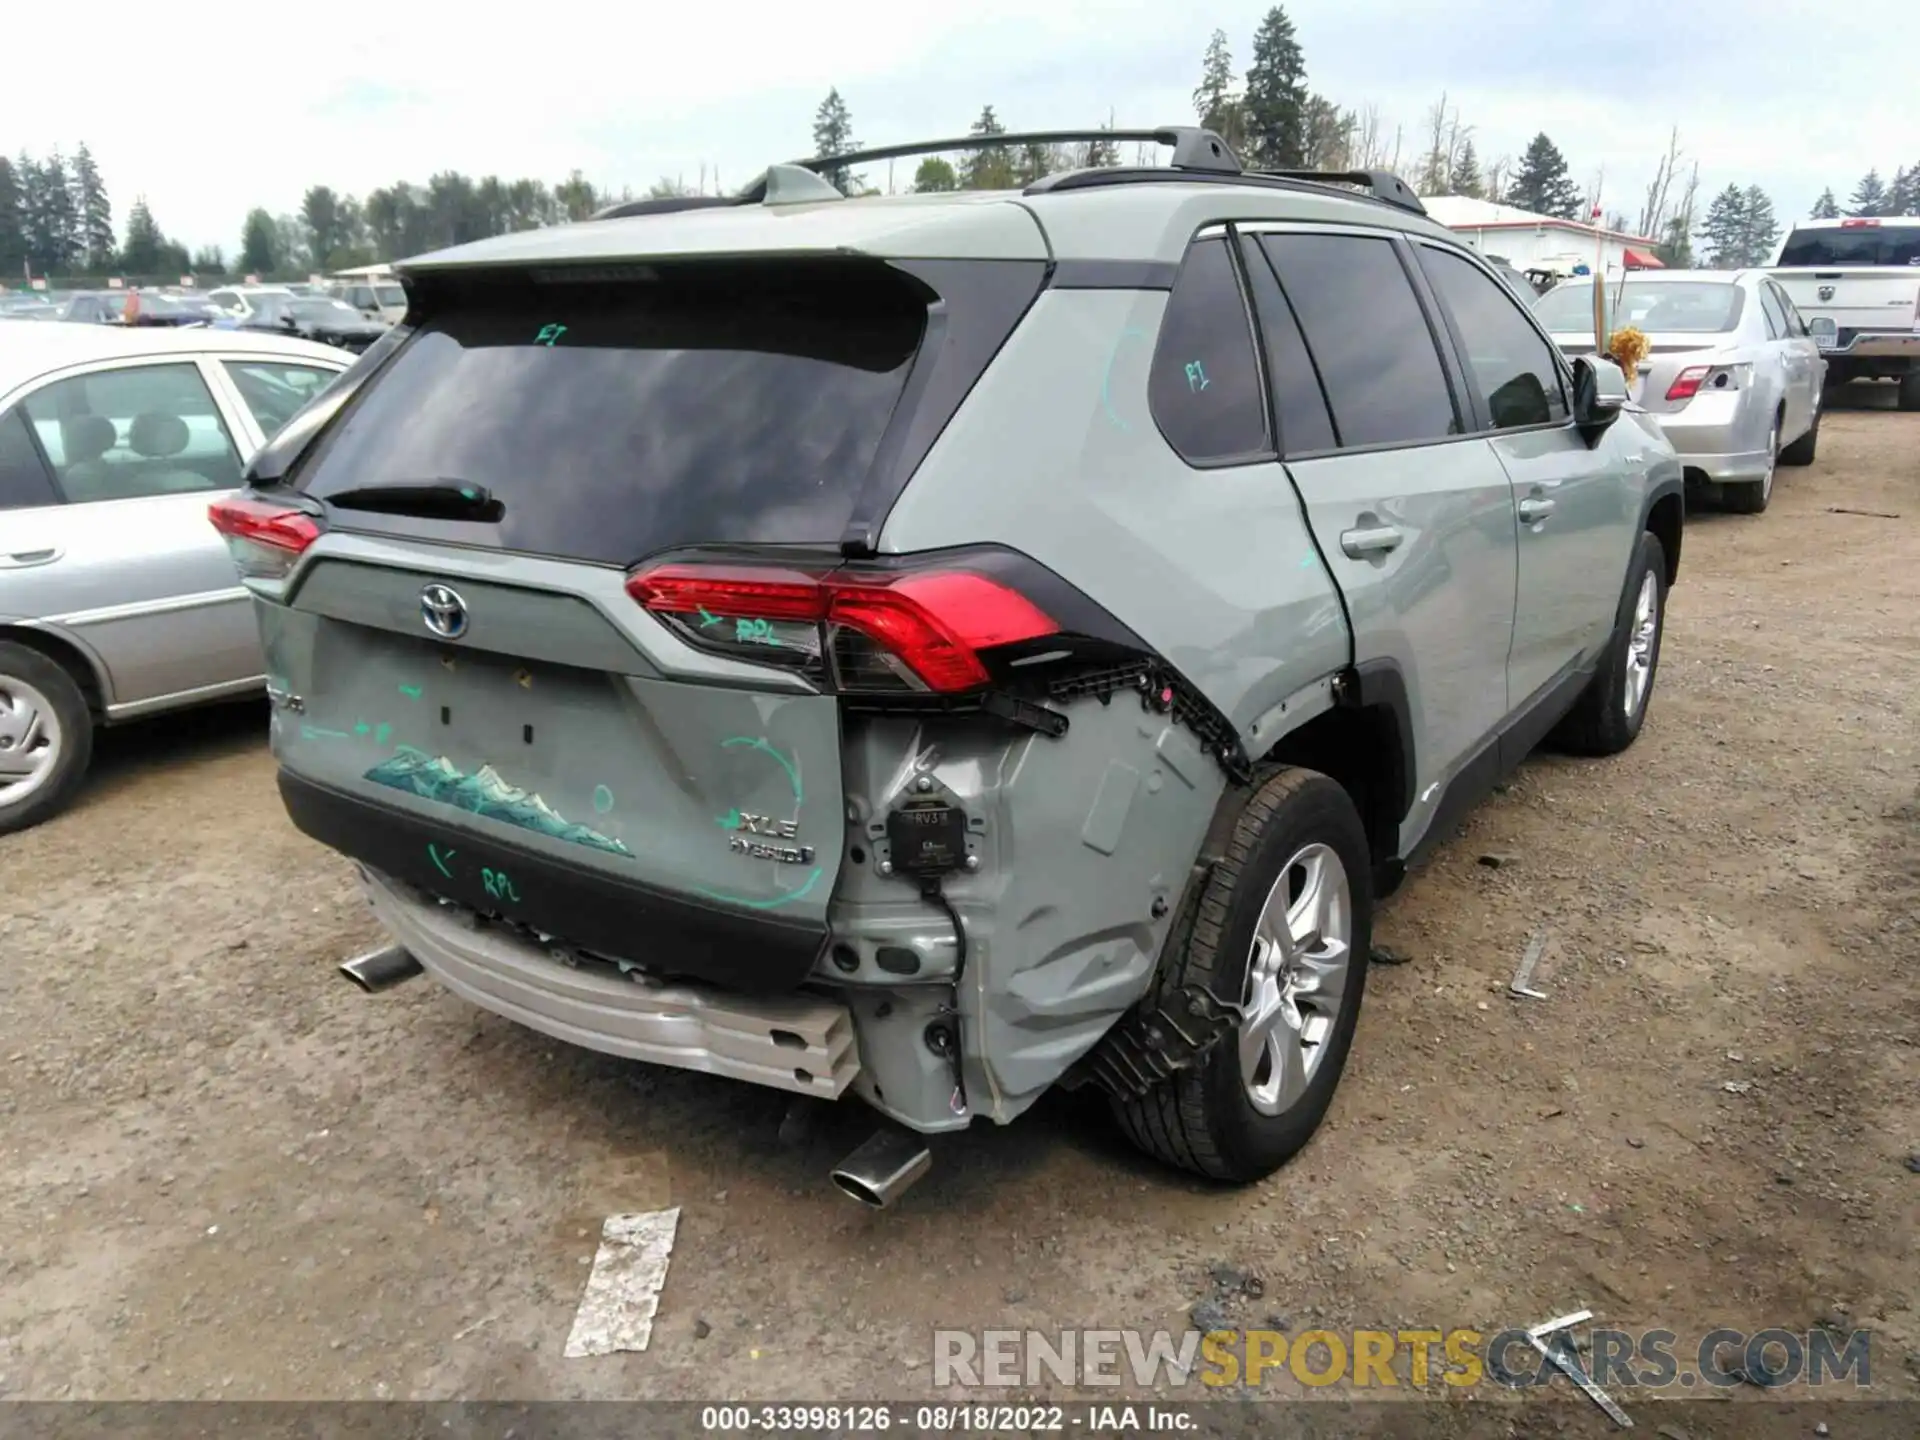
x=1540, y=242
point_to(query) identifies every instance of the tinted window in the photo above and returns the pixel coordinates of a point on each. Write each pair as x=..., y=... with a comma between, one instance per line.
x=1300, y=405
x=1509, y=358
x=121, y=434
x=23, y=475
x=1876, y=244
x=720, y=402
x=1369, y=338
x=274, y=392
x=1205, y=385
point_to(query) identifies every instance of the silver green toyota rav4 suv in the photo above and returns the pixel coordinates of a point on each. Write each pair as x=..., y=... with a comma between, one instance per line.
x=948, y=646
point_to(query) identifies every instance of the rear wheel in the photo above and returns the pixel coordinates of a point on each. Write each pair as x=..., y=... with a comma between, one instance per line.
x=1801, y=451
x=1283, y=930
x=1751, y=497
x=46, y=737
x=1608, y=716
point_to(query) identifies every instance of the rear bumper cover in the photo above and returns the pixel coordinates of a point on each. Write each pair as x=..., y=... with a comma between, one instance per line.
x=669, y=935
x=800, y=1043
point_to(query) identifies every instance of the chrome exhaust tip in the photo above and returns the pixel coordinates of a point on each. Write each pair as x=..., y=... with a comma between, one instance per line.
x=379, y=970
x=883, y=1168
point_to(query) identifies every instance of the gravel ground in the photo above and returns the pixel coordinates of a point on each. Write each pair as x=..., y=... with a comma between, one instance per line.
x=226, y=1174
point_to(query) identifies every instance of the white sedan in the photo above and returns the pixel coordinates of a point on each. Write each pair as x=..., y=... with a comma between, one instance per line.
x=1733, y=377
x=117, y=596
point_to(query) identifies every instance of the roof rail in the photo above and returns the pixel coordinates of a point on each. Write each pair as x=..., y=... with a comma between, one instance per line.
x=663, y=206
x=1380, y=184
x=1193, y=149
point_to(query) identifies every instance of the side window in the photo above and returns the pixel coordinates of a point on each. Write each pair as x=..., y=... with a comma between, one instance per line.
x=1205, y=385
x=1369, y=338
x=1776, y=317
x=1300, y=405
x=1514, y=365
x=24, y=481
x=122, y=434
x=274, y=392
x=362, y=298
x=1796, y=324
x=222, y=298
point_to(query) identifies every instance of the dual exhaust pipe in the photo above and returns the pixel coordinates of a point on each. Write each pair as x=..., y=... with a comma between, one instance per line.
x=876, y=1174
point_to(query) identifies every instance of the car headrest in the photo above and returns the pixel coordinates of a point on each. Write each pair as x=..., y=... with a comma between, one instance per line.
x=86, y=437
x=157, y=436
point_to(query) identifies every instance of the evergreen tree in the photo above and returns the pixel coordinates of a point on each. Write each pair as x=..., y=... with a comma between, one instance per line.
x=990, y=167
x=575, y=197
x=320, y=213
x=259, y=245
x=56, y=220
x=1276, y=99
x=1826, y=207
x=141, y=256
x=1035, y=161
x=934, y=177
x=1103, y=153
x=13, y=230
x=1762, y=228
x=94, y=213
x=1329, y=135
x=833, y=135
x=1465, y=179
x=1869, y=196
x=1214, y=101
x=1675, y=250
x=1725, y=229
x=1543, y=184
x=1903, y=196
x=209, y=264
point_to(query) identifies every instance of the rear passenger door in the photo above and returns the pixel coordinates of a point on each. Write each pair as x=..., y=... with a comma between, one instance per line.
x=1799, y=357
x=1577, y=513
x=1413, y=515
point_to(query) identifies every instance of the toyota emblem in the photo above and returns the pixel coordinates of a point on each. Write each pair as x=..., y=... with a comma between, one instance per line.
x=1826, y=292
x=444, y=612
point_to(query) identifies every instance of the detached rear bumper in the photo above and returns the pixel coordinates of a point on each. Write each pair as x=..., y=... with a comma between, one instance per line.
x=789, y=1042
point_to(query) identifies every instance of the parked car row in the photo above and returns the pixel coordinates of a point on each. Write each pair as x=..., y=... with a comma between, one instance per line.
x=350, y=314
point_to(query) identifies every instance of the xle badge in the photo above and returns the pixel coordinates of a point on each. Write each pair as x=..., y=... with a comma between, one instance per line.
x=756, y=837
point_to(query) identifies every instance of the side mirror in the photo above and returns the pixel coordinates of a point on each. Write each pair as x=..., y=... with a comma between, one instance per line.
x=288, y=322
x=1599, y=395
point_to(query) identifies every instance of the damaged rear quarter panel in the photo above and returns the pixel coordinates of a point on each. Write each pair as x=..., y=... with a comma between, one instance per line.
x=1057, y=455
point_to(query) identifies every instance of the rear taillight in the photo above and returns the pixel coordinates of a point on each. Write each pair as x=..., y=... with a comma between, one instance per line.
x=264, y=538
x=917, y=630
x=1686, y=384
x=1695, y=378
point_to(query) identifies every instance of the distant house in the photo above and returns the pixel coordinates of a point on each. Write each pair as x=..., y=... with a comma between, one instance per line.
x=1540, y=242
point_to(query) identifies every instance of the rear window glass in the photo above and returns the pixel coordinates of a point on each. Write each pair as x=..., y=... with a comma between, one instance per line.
x=1854, y=245
x=1673, y=307
x=714, y=403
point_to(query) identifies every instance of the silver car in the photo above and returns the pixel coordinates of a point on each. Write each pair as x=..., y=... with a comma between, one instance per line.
x=117, y=597
x=1733, y=376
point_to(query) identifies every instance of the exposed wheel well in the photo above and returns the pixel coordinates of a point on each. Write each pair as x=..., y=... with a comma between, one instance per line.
x=1667, y=521
x=1361, y=747
x=66, y=655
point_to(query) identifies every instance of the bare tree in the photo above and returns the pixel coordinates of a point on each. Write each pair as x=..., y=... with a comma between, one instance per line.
x=1499, y=169
x=1655, y=213
x=1445, y=136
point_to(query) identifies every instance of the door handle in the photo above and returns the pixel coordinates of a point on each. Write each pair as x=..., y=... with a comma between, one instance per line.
x=1533, y=511
x=22, y=559
x=1369, y=540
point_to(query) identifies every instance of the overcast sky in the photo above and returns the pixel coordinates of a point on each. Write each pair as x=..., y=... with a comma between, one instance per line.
x=1792, y=95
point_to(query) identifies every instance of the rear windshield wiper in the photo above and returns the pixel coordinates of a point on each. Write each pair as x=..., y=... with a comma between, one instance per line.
x=426, y=499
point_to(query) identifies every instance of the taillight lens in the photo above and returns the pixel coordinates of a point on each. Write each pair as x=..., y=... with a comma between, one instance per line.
x=918, y=630
x=1686, y=384
x=264, y=539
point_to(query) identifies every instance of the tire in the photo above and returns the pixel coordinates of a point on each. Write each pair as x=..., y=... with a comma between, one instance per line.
x=1801, y=451
x=1910, y=390
x=1604, y=721
x=1207, y=1119
x=1751, y=497
x=43, y=711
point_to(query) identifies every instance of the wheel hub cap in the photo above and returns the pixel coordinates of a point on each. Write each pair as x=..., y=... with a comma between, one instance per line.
x=29, y=740
x=1296, y=978
x=1640, y=643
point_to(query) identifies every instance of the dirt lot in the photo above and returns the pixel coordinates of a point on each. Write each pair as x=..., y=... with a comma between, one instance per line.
x=225, y=1173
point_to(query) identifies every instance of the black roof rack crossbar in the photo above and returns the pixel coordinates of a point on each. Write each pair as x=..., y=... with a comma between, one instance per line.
x=1380, y=184
x=1193, y=148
